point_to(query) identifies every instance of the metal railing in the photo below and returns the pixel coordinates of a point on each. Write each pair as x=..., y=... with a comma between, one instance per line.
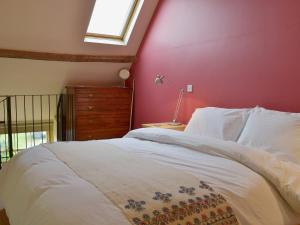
x=26, y=121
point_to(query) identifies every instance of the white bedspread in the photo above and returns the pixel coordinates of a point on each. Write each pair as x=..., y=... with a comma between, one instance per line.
x=38, y=189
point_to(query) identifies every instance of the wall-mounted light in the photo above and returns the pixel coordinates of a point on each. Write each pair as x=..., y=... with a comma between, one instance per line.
x=159, y=79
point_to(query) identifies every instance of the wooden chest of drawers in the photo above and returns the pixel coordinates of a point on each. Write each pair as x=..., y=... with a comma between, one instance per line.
x=97, y=113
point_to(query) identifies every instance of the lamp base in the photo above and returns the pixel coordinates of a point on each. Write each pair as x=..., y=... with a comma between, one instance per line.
x=174, y=123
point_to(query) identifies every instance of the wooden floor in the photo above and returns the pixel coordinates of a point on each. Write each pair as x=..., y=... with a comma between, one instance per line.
x=3, y=218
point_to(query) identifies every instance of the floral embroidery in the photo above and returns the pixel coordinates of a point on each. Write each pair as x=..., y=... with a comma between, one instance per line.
x=203, y=185
x=191, y=207
x=209, y=209
x=162, y=197
x=189, y=191
x=135, y=205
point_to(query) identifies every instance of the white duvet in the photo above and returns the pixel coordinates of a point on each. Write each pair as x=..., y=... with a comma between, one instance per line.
x=36, y=188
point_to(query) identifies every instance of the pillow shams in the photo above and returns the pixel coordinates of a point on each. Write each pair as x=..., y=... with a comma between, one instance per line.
x=274, y=131
x=221, y=123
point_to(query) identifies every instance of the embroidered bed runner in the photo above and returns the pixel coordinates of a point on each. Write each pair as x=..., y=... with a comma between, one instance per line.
x=148, y=193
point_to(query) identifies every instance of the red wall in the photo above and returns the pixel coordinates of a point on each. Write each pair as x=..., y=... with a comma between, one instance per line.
x=235, y=53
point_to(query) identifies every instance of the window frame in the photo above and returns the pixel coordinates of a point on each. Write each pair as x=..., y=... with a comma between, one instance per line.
x=126, y=27
x=31, y=127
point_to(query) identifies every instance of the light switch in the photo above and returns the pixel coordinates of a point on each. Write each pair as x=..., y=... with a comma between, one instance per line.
x=189, y=88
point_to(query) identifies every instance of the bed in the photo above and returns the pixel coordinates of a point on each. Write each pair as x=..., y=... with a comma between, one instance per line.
x=158, y=176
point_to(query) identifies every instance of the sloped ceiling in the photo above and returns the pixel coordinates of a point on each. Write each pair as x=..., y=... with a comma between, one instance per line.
x=58, y=26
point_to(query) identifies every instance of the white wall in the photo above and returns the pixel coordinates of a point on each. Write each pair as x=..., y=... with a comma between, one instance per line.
x=32, y=110
x=19, y=76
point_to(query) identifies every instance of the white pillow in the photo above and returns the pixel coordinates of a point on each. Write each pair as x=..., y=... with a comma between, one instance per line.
x=274, y=131
x=225, y=124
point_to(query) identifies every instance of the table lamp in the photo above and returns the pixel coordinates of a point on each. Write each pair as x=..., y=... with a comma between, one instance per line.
x=159, y=80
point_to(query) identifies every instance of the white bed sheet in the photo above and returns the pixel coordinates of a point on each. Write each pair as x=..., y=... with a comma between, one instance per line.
x=254, y=200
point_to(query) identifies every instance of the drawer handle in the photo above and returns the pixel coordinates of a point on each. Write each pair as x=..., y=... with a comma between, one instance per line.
x=91, y=121
x=90, y=137
x=91, y=95
x=90, y=107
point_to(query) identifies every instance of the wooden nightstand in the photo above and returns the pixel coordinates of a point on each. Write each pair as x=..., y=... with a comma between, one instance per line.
x=179, y=127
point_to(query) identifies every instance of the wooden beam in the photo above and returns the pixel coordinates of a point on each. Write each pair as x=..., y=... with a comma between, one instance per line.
x=18, y=54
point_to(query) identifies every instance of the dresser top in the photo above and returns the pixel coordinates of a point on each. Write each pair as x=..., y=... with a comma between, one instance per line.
x=91, y=86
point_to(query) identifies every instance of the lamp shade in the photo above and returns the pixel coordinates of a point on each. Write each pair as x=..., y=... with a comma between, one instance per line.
x=124, y=74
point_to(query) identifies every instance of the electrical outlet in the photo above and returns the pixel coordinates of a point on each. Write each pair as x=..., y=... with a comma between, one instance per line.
x=189, y=88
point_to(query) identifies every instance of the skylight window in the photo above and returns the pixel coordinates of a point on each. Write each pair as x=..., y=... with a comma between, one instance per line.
x=112, y=20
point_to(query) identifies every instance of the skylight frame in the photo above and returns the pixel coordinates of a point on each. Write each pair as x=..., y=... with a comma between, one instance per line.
x=126, y=28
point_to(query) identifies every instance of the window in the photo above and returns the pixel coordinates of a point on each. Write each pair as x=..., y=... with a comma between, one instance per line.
x=22, y=141
x=112, y=21
x=25, y=136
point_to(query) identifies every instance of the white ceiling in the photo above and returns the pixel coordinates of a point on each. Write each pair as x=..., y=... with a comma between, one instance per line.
x=58, y=26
